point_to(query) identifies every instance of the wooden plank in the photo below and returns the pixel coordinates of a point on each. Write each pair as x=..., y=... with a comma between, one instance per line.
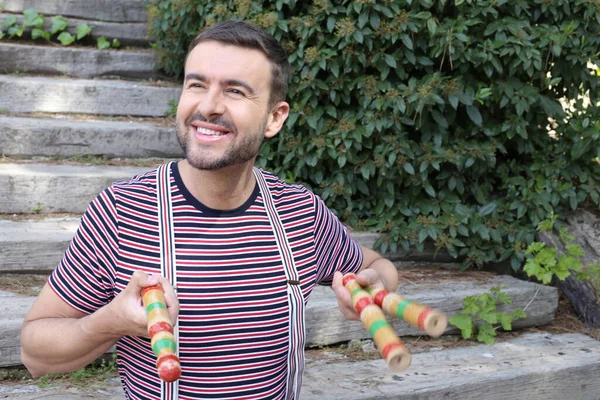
x=535, y=367
x=84, y=96
x=76, y=62
x=12, y=312
x=26, y=187
x=101, y=10
x=22, y=137
x=129, y=34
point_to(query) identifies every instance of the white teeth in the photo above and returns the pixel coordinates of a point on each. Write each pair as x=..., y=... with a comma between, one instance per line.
x=209, y=132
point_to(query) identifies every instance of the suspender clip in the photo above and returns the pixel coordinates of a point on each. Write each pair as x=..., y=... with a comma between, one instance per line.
x=293, y=282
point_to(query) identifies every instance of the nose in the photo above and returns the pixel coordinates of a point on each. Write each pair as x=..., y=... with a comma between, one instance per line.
x=211, y=104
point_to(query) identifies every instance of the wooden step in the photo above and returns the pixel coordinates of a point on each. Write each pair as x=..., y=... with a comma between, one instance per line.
x=42, y=240
x=325, y=324
x=25, y=188
x=101, y=10
x=25, y=137
x=129, y=34
x=76, y=61
x=26, y=94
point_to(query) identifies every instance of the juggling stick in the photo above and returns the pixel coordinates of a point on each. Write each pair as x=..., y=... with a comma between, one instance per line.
x=389, y=344
x=160, y=331
x=429, y=320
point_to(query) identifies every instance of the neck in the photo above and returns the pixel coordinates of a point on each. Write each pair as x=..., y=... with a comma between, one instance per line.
x=223, y=189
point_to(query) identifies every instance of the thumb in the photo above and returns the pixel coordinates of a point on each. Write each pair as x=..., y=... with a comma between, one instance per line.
x=140, y=280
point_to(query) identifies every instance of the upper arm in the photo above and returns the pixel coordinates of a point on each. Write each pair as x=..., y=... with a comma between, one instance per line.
x=49, y=305
x=368, y=257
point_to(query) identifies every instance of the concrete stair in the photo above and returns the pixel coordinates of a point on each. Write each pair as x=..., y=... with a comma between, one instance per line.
x=58, y=103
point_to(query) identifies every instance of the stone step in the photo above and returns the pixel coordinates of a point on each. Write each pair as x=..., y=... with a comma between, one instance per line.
x=26, y=94
x=538, y=366
x=25, y=137
x=76, y=61
x=325, y=325
x=25, y=188
x=129, y=33
x=101, y=10
x=42, y=241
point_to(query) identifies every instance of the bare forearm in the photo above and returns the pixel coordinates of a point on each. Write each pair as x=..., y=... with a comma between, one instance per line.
x=55, y=345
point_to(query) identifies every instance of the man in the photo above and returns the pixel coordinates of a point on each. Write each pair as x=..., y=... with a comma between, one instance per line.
x=243, y=248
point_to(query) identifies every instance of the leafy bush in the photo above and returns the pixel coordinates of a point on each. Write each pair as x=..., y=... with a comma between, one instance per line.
x=429, y=120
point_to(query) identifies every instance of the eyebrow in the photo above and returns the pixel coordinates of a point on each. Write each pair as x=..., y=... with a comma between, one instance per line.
x=226, y=82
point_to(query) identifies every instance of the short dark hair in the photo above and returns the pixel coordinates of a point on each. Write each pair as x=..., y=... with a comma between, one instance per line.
x=246, y=35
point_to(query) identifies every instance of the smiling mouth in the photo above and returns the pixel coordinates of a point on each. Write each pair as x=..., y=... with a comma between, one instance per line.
x=209, y=132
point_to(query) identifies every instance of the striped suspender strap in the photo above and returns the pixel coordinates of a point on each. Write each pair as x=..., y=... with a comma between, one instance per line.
x=169, y=391
x=295, y=297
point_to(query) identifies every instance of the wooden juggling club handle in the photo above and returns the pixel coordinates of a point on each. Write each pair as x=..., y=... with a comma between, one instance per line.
x=160, y=331
x=389, y=344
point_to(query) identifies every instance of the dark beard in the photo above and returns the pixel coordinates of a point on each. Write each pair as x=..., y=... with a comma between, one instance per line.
x=239, y=153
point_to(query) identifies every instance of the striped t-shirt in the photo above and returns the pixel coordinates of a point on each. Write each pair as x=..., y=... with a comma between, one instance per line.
x=231, y=285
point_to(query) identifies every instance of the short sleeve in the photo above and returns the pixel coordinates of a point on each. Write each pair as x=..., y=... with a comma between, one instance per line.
x=84, y=278
x=335, y=249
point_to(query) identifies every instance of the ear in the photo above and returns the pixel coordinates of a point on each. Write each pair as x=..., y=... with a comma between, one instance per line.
x=277, y=117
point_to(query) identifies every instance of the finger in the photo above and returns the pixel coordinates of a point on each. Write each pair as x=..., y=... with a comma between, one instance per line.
x=170, y=299
x=368, y=277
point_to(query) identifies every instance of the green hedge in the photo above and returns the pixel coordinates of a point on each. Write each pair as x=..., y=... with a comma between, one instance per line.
x=429, y=120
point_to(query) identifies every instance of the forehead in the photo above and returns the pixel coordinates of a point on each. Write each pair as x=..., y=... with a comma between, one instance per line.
x=218, y=61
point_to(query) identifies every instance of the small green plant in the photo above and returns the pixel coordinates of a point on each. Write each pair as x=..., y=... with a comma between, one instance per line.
x=90, y=159
x=172, y=110
x=545, y=263
x=484, y=307
x=93, y=374
x=37, y=209
x=35, y=21
x=102, y=43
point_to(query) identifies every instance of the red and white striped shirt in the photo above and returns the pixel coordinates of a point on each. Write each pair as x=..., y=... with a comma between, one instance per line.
x=232, y=289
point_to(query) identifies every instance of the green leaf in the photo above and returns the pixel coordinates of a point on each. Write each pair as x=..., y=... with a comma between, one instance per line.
x=58, y=24
x=464, y=323
x=390, y=60
x=65, y=38
x=486, y=334
x=102, y=43
x=475, y=115
x=32, y=18
x=38, y=33
x=83, y=30
x=431, y=25
x=375, y=21
x=505, y=321
x=9, y=21
x=408, y=168
x=116, y=43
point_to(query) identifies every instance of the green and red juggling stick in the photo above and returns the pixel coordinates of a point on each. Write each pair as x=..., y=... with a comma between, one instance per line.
x=389, y=344
x=160, y=331
x=429, y=320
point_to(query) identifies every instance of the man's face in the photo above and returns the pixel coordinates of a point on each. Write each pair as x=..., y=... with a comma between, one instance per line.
x=223, y=113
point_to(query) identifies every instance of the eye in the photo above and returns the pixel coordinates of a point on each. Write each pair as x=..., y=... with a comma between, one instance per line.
x=236, y=92
x=195, y=85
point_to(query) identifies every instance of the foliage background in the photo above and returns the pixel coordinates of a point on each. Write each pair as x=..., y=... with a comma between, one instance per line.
x=429, y=121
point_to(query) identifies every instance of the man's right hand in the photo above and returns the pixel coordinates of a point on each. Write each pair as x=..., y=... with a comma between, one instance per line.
x=127, y=307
